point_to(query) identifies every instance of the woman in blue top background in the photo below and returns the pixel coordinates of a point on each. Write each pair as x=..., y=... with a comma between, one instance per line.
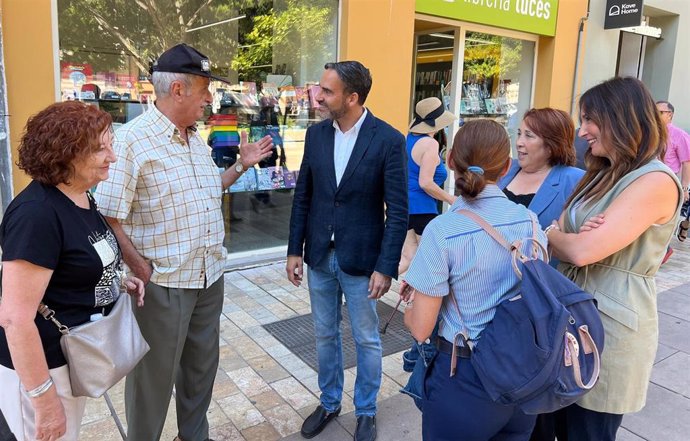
x=426, y=173
x=542, y=177
x=456, y=257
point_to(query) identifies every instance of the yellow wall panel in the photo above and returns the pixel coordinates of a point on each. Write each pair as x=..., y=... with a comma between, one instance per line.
x=380, y=34
x=29, y=62
x=556, y=58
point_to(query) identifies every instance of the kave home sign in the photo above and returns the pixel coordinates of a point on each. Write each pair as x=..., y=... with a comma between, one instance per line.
x=533, y=16
x=622, y=14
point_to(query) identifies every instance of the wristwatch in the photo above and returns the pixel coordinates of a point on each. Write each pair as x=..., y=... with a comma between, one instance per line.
x=239, y=168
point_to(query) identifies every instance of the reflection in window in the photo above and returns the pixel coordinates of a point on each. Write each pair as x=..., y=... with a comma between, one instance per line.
x=494, y=70
x=273, y=52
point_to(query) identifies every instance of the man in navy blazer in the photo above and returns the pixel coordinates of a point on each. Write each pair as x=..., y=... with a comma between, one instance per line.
x=349, y=220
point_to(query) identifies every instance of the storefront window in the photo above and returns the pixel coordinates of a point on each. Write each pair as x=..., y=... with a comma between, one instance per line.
x=496, y=79
x=273, y=51
x=496, y=75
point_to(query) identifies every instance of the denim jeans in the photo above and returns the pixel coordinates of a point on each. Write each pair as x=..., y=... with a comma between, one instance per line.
x=426, y=350
x=327, y=284
x=417, y=360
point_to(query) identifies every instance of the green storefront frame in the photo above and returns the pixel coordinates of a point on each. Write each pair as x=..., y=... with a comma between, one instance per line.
x=533, y=16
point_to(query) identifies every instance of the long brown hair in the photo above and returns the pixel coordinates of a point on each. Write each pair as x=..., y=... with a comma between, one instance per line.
x=630, y=129
x=480, y=143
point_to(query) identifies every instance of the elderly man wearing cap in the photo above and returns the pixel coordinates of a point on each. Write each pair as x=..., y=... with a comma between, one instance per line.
x=349, y=218
x=163, y=201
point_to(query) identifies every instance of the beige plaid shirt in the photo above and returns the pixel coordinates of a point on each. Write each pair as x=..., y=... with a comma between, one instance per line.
x=167, y=195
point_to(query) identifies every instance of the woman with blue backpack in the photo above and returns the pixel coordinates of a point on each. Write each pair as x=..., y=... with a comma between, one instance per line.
x=457, y=268
x=640, y=199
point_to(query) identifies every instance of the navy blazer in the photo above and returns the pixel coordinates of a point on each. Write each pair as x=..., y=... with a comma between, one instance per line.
x=367, y=212
x=549, y=201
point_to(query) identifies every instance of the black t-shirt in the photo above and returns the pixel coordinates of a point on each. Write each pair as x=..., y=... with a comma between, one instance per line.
x=44, y=227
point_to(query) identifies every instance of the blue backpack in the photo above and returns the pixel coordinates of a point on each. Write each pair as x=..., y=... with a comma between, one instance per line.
x=542, y=344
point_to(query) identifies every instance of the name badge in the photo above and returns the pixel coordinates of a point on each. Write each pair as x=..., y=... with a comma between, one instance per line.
x=105, y=251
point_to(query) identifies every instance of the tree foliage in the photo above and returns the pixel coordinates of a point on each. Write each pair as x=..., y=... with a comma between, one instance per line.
x=110, y=34
x=301, y=29
x=488, y=56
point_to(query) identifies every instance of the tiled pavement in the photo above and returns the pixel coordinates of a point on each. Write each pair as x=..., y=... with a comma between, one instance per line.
x=263, y=392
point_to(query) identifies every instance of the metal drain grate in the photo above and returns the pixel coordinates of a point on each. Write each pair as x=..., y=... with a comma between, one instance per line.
x=297, y=334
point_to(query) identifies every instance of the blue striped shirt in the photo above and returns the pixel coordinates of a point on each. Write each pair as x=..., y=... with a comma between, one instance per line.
x=456, y=250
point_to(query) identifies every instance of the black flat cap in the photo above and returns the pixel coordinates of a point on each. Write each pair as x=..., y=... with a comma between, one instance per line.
x=185, y=59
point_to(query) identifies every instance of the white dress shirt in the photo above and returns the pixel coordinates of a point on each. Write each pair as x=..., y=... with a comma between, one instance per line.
x=344, y=144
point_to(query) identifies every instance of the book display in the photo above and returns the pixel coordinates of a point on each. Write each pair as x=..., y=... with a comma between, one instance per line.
x=246, y=182
x=492, y=80
x=265, y=179
x=430, y=80
x=492, y=69
x=261, y=109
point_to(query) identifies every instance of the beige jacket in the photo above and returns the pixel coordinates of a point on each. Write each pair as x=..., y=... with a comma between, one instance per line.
x=624, y=287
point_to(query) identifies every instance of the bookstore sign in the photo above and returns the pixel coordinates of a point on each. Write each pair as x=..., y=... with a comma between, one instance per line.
x=533, y=16
x=622, y=14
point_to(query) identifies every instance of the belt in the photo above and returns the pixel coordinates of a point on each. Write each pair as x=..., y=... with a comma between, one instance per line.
x=446, y=347
x=331, y=244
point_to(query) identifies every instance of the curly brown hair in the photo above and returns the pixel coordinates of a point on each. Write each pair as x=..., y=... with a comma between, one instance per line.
x=56, y=136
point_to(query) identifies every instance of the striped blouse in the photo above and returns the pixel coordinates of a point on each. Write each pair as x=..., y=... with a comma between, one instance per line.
x=454, y=250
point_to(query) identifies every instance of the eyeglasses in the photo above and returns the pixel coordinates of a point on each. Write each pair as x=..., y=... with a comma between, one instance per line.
x=665, y=111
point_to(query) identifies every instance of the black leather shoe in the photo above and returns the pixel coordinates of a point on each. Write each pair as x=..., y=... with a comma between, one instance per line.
x=366, y=428
x=317, y=421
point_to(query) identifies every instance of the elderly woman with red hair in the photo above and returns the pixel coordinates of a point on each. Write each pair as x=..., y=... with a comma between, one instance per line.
x=57, y=250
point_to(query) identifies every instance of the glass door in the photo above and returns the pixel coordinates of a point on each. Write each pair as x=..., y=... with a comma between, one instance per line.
x=434, y=65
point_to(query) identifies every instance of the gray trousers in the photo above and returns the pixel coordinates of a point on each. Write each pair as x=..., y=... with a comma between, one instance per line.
x=182, y=328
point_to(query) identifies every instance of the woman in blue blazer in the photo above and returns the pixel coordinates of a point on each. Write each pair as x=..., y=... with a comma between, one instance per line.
x=542, y=177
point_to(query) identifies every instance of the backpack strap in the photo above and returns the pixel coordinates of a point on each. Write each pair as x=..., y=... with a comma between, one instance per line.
x=490, y=230
x=514, y=248
x=463, y=335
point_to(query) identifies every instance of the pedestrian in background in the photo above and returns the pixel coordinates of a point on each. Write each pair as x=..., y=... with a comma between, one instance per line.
x=164, y=203
x=426, y=172
x=677, y=155
x=426, y=176
x=348, y=223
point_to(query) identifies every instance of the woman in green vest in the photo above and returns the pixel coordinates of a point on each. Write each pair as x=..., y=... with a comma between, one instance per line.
x=640, y=200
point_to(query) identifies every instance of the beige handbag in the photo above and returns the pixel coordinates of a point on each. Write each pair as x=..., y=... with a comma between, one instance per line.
x=102, y=352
